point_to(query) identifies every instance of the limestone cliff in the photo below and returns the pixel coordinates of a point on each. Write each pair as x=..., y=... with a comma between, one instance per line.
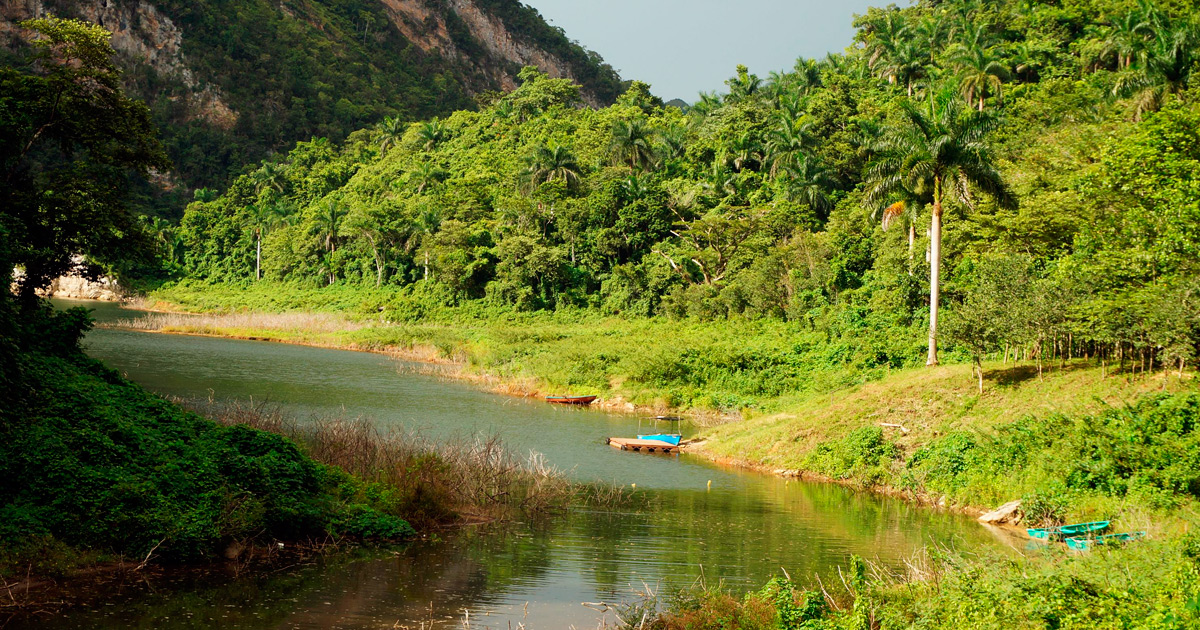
x=231, y=82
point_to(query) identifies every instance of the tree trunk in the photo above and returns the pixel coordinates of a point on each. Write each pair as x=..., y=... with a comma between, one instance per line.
x=426, y=267
x=258, y=258
x=935, y=272
x=979, y=367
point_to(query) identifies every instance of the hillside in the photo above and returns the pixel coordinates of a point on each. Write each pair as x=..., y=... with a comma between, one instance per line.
x=232, y=81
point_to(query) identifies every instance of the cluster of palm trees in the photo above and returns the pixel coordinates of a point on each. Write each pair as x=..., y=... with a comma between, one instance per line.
x=1153, y=53
x=916, y=54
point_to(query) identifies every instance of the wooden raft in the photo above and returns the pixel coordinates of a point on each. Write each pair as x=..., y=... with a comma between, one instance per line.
x=649, y=446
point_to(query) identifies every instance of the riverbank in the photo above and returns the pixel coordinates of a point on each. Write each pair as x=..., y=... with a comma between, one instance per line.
x=1047, y=440
x=905, y=409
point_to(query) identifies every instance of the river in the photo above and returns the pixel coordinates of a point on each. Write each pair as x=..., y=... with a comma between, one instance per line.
x=740, y=530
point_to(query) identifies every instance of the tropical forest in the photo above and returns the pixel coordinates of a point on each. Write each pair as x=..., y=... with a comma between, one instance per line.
x=904, y=336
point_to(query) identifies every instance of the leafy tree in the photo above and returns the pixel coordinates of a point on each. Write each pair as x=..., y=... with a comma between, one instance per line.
x=69, y=137
x=932, y=152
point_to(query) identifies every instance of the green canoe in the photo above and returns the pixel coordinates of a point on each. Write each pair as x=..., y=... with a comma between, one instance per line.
x=1076, y=530
x=1083, y=544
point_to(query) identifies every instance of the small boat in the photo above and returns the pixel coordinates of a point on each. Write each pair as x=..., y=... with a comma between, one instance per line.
x=670, y=438
x=1082, y=529
x=643, y=446
x=570, y=400
x=668, y=418
x=1078, y=529
x=1080, y=543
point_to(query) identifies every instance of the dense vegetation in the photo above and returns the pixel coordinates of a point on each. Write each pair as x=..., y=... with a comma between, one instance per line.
x=299, y=70
x=1043, y=156
x=101, y=469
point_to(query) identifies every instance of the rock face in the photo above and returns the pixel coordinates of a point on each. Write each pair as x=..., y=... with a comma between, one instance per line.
x=77, y=288
x=141, y=34
x=1007, y=514
x=427, y=28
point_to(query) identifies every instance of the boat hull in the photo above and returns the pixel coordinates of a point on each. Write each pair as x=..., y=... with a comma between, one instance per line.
x=570, y=400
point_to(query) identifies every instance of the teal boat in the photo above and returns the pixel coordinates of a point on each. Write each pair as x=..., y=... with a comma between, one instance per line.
x=1076, y=530
x=1083, y=529
x=670, y=438
x=1080, y=543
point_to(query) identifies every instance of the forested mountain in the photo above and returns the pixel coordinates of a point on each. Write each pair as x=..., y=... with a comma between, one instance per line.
x=1046, y=154
x=232, y=81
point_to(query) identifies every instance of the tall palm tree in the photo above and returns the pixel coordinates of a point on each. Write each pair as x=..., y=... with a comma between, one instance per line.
x=263, y=217
x=327, y=230
x=631, y=144
x=931, y=152
x=391, y=130
x=432, y=133
x=981, y=70
x=426, y=224
x=548, y=163
x=932, y=32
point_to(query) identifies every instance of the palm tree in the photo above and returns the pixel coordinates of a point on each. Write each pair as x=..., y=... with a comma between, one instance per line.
x=930, y=152
x=904, y=65
x=808, y=181
x=744, y=85
x=426, y=176
x=932, y=32
x=631, y=144
x=807, y=75
x=548, y=163
x=327, y=230
x=981, y=72
x=1164, y=68
x=427, y=223
x=263, y=217
x=269, y=176
x=431, y=134
x=672, y=142
x=787, y=142
x=391, y=130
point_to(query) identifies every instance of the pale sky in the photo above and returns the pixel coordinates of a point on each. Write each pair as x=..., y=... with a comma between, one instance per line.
x=683, y=47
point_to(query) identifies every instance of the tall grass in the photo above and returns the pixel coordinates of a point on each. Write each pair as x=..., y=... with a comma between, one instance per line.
x=225, y=322
x=434, y=484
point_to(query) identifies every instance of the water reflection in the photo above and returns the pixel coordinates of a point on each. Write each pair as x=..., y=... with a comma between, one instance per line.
x=741, y=532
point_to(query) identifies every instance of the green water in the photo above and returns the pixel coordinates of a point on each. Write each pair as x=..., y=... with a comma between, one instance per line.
x=743, y=530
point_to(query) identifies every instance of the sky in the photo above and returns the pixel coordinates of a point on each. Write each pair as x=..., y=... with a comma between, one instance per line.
x=683, y=47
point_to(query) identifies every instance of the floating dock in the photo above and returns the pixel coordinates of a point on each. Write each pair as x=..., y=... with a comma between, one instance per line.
x=645, y=446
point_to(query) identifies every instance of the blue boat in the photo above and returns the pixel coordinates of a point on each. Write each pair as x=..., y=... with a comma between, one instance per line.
x=670, y=438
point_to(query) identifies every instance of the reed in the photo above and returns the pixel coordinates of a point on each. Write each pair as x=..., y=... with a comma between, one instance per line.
x=225, y=323
x=431, y=484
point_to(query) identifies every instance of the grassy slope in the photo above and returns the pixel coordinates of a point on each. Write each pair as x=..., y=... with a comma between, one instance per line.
x=930, y=402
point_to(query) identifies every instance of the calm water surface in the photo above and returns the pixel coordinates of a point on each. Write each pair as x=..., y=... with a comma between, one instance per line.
x=744, y=529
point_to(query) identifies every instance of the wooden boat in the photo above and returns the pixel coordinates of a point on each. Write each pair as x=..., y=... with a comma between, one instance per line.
x=669, y=438
x=644, y=446
x=570, y=400
x=1078, y=529
x=1081, y=543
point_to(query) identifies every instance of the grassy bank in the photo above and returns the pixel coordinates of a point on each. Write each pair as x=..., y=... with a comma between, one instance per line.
x=708, y=367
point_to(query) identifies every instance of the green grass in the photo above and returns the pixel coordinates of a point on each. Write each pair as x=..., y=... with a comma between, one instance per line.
x=726, y=366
